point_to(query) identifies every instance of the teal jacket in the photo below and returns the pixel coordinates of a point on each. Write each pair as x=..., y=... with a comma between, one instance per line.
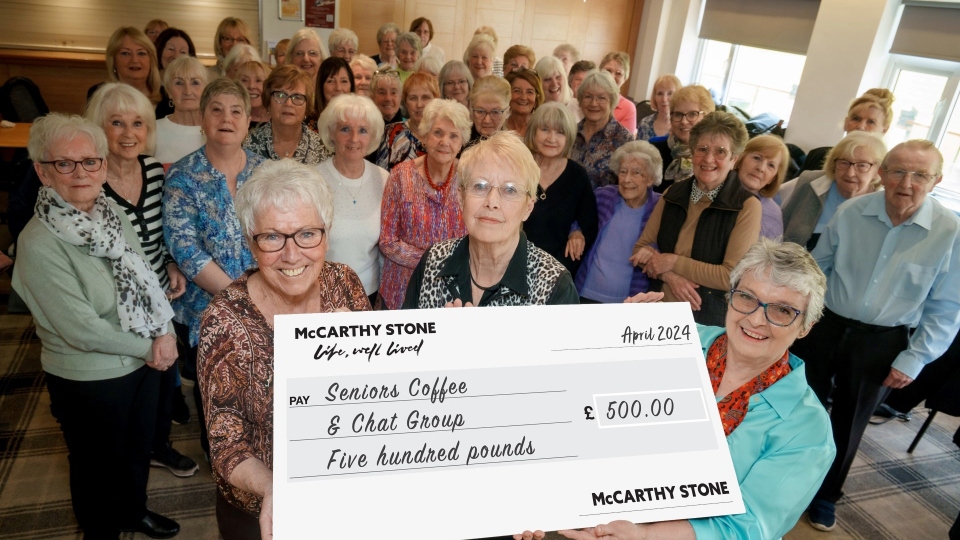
x=73, y=299
x=781, y=453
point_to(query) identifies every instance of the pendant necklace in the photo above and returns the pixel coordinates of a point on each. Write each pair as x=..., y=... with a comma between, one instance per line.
x=343, y=179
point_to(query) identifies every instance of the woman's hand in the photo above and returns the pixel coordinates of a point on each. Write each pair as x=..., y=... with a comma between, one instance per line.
x=163, y=352
x=643, y=256
x=615, y=530
x=660, y=263
x=178, y=282
x=266, y=516
x=528, y=535
x=575, y=244
x=644, y=298
x=458, y=303
x=683, y=289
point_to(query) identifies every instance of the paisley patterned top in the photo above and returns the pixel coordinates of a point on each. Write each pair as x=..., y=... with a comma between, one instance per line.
x=310, y=150
x=200, y=226
x=595, y=154
x=235, y=370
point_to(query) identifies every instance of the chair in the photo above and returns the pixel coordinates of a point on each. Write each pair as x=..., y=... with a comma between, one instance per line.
x=945, y=400
x=20, y=100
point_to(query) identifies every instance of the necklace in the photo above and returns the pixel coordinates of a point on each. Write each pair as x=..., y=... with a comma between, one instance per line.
x=426, y=169
x=479, y=286
x=342, y=179
x=120, y=187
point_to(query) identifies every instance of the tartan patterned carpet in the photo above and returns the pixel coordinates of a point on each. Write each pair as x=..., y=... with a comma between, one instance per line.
x=890, y=494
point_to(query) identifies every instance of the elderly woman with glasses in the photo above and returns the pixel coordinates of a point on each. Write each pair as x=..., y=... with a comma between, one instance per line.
x=852, y=169
x=420, y=204
x=456, y=82
x=343, y=43
x=489, y=102
x=423, y=27
x=598, y=134
x=494, y=264
x=409, y=50
x=286, y=135
x=230, y=32
x=687, y=107
x=387, y=43
x=703, y=225
x=777, y=431
x=306, y=52
x=285, y=211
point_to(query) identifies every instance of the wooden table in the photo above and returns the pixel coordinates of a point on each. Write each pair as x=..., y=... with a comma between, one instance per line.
x=15, y=137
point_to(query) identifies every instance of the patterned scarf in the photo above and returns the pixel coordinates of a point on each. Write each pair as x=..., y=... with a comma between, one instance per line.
x=141, y=304
x=682, y=165
x=733, y=407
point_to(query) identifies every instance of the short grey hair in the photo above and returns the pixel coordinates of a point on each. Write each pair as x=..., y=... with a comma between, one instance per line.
x=450, y=70
x=282, y=185
x=452, y=110
x=785, y=264
x=342, y=36
x=351, y=107
x=241, y=53
x=603, y=81
x=55, y=128
x=480, y=40
x=224, y=86
x=872, y=143
x=305, y=34
x=504, y=149
x=922, y=145
x=412, y=40
x=643, y=151
x=120, y=98
x=186, y=67
x=385, y=29
x=365, y=62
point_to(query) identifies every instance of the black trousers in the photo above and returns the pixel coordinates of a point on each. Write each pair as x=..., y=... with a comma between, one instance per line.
x=190, y=372
x=234, y=523
x=851, y=360
x=166, y=388
x=108, y=426
x=929, y=382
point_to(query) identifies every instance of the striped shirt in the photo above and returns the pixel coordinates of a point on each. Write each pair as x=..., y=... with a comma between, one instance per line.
x=145, y=216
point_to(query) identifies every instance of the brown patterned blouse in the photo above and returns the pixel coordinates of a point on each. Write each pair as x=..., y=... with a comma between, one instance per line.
x=235, y=368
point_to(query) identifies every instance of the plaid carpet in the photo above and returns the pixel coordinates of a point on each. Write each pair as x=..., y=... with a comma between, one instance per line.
x=890, y=494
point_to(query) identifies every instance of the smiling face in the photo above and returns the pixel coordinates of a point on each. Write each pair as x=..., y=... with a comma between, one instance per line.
x=443, y=141
x=132, y=61
x=175, y=48
x=336, y=84
x=407, y=56
x=595, y=105
x=292, y=272
x=361, y=79
x=615, y=68
x=681, y=129
x=757, y=170
x=344, y=50
x=487, y=115
x=490, y=219
x=751, y=339
x=456, y=87
x=225, y=121
x=229, y=38
x=633, y=180
x=523, y=97
x=517, y=63
x=416, y=102
x=549, y=141
x=851, y=182
x=713, y=160
x=253, y=82
x=865, y=117
x=351, y=139
x=424, y=33
x=388, y=46
x=80, y=187
x=904, y=197
x=126, y=135
x=288, y=113
x=553, y=87
x=306, y=56
x=481, y=63
x=387, y=97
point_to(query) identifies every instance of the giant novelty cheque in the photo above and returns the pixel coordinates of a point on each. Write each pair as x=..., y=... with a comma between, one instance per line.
x=464, y=423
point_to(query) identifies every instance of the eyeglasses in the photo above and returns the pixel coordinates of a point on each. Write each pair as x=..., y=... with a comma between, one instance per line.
x=718, y=152
x=67, y=166
x=859, y=166
x=274, y=241
x=690, y=116
x=231, y=40
x=776, y=314
x=281, y=97
x=520, y=69
x=458, y=82
x=916, y=177
x=602, y=99
x=313, y=53
x=495, y=114
x=387, y=71
x=508, y=191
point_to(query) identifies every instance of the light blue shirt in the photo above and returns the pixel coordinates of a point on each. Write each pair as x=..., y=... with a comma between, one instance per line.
x=891, y=276
x=830, y=205
x=781, y=453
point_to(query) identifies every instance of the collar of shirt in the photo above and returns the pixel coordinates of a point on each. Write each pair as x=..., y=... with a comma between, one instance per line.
x=923, y=216
x=696, y=193
x=514, y=278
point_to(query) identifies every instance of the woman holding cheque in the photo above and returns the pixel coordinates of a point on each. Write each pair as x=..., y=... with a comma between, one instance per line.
x=285, y=210
x=778, y=433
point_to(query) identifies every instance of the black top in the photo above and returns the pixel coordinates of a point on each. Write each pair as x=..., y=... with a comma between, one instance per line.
x=567, y=201
x=667, y=156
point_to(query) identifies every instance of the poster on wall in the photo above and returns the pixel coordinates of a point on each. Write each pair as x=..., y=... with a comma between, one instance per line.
x=291, y=10
x=321, y=13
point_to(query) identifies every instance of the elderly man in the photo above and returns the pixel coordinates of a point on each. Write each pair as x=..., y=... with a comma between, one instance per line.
x=892, y=261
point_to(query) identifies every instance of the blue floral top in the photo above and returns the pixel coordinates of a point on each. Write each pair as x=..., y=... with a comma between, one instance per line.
x=595, y=154
x=645, y=130
x=200, y=225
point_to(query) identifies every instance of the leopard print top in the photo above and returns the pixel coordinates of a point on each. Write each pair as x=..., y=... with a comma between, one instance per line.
x=543, y=273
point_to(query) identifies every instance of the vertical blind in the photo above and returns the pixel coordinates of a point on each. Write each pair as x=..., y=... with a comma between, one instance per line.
x=780, y=25
x=930, y=30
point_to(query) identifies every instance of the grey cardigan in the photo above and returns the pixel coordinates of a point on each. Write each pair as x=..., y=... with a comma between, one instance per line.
x=802, y=205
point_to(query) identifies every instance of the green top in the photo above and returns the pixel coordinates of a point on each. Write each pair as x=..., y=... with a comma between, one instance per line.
x=73, y=299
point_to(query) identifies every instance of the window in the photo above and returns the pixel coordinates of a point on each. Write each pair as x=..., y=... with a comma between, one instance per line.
x=752, y=79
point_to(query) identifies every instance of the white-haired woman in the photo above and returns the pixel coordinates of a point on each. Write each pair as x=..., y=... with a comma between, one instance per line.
x=568, y=55
x=179, y=133
x=343, y=43
x=104, y=326
x=420, y=204
x=239, y=55
x=564, y=194
x=776, y=429
x=479, y=56
x=409, y=50
x=598, y=134
x=306, y=51
x=251, y=76
x=494, y=264
x=363, y=69
x=555, y=87
x=607, y=276
x=456, y=82
x=387, y=43
x=350, y=127
x=284, y=211
x=617, y=64
x=489, y=102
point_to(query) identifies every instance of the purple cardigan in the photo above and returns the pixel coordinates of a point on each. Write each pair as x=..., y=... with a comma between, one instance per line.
x=607, y=198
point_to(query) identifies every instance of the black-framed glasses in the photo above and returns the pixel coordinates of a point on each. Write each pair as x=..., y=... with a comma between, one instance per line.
x=270, y=242
x=495, y=114
x=67, y=166
x=690, y=116
x=281, y=97
x=776, y=314
x=508, y=190
x=916, y=177
x=859, y=166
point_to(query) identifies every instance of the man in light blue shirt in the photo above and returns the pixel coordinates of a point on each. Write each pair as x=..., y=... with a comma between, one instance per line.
x=892, y=261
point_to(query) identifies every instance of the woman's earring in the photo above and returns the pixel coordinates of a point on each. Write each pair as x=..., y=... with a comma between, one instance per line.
x=171, y=103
